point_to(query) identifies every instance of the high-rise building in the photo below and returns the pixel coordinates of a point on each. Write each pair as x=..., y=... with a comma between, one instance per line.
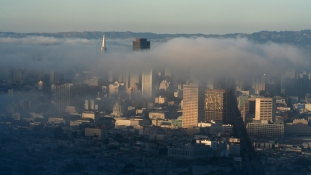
x=141, y=44
x=134, y=79
x=147, y=84
x=265, y=109
x=103, y=43
x=259, y=83
x=193, y=105
x=218, y=105
x=62, y=95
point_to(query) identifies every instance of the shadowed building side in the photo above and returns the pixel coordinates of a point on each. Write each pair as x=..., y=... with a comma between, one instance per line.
x=141, y=44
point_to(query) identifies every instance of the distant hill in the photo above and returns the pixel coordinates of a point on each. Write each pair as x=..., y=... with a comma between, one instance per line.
x=297, y=38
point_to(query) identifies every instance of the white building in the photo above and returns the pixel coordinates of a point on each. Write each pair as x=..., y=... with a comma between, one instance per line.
x=103, y=47
x=212, y=144
x=91, y=115
x=265, y=109
x=131, y=122
x=216, y=127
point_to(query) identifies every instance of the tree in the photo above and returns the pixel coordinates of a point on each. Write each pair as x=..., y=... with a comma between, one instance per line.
x=58, y=132
x=74, y=134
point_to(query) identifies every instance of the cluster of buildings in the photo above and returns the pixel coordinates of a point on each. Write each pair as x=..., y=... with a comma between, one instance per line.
x=151, y=121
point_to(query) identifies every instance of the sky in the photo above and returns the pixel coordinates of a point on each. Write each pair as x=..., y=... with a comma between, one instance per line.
x=160, y=16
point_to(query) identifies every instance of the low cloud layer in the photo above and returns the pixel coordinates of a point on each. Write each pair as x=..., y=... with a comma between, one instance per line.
x=205, y=57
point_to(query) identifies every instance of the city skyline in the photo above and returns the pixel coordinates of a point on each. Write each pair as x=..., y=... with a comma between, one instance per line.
x=152, y=99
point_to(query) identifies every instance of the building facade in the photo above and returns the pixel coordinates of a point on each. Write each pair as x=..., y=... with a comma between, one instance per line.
x=265, y=129
x=265, y=109
x=218, y=105
x=193, y=105
x=141, y=44
x=147, y=84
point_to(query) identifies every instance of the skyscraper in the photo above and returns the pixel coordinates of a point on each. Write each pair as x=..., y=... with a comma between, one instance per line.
x=62, y=95
x=134, y=78
x=141, y=44
x=103, y=43
x=265, y=109
x=147, y=84
x=193, y=105
x=218, y=105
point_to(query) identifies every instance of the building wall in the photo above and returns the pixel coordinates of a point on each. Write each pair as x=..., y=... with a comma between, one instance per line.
x=62, y=95
x=147, y=84
x=265, y=109
x=275, y=130
x=218, y=105
x=193, y=105
x=156, y=115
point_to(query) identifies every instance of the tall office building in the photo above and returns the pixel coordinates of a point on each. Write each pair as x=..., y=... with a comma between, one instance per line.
x=265, y=109
x=124, y=77
x=218, y=105
x=147, y=84
x=141, y=44
x=103, y=43
x=134, y=79
x=259, y=83
x=62, y=95
x=193, y=105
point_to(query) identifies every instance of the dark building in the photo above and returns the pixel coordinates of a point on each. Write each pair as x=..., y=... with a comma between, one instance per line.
x=141, y=44
x=218, y=105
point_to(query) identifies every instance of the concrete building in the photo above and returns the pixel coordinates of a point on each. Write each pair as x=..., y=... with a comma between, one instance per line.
x=147, y=84
x=215, y=127
x=141, y=44
x=264, y=128
x=134, y=79
x=218, y=105
x=265, y=109
x=131, y=122
x=91, y=115
x=62, y=95
x=193, y=105
x=259, y=83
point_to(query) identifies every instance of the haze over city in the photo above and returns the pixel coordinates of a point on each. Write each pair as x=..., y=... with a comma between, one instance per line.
x=155, y=87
